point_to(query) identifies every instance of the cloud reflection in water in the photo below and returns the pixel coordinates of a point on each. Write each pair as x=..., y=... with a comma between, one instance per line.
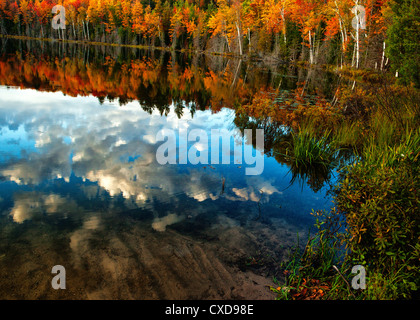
x=114, y=148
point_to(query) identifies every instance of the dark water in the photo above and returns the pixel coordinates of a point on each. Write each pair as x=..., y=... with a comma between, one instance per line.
x=80, y=185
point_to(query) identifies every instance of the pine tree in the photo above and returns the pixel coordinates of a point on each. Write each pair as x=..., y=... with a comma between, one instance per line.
x=403, y=40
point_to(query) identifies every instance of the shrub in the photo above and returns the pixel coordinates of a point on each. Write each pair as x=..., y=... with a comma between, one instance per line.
x=311, y=272
x=379, y=197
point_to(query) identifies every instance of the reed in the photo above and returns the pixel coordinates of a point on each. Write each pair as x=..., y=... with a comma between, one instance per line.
x=307, y=150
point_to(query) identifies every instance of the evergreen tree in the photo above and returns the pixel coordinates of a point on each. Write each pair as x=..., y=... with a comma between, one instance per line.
x=403, y=40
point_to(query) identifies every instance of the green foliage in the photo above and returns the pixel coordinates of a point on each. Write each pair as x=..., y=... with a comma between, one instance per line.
x=307, y=150
x=403, y=40
x=310, y=273
x=379, y=196
x=347, y=135
x=322, y=250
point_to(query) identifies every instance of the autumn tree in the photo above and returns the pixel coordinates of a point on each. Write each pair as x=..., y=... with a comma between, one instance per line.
x=352, y=29
x=26, y=9
x=222, y=23
x=274, y=16
x=308, y=14
x=176, y=24
x=137, y=18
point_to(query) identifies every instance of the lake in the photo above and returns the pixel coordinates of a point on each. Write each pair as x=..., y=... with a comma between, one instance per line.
x=80, y=185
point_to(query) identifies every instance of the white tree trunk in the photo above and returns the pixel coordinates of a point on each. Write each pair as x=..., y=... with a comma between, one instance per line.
x=239, y=39
x=383, y=57
x=249, y=41
x=284, y=25
x=311, y=47
x=87, y=29
x=357, y=34
x=83, y=28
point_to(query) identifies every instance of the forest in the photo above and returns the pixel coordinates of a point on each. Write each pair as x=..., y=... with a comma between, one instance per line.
x=376, y=34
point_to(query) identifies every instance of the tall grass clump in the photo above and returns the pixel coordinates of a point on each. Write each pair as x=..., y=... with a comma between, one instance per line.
x=348, y=135
x=308, y=150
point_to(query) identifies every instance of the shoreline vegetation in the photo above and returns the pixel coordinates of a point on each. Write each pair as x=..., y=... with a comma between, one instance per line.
x=371, y=137
x=375, y=221
x=369, y=133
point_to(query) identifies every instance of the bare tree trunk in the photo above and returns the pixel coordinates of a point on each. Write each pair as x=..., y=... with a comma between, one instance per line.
x=284, y=25
x=83, y=28
x=87, y=29
x=249, y=41
x=357, y=33
x=236, y=73
x=227, y=41
x=239, y=39
x=383, y=57
x=311, y=53
x=353, y=56
x=342, y=35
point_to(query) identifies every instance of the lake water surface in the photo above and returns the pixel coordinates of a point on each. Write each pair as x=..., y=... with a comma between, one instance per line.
x=80, y=185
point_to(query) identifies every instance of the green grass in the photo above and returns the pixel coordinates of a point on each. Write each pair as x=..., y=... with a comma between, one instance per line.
x=347, y=135
x=307, y=150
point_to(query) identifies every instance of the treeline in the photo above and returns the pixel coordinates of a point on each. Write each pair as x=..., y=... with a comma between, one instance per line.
x=156, y=79
x=318, y=31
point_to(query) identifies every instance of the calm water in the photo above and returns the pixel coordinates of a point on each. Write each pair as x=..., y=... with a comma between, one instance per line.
x=80, y=185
